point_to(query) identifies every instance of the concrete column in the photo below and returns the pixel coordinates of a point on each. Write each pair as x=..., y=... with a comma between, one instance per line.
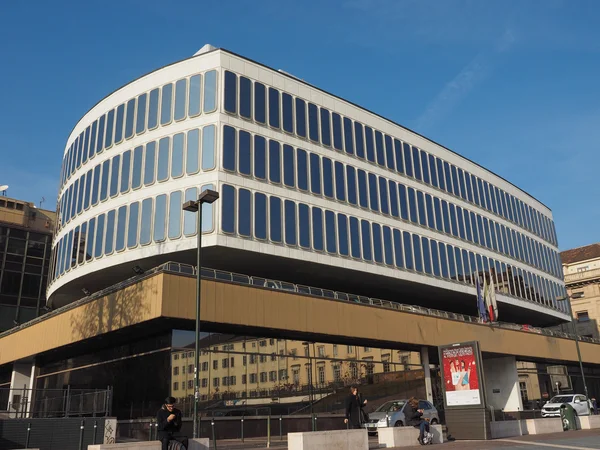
x=502, y=383
x=22, y=384
x=426, y=369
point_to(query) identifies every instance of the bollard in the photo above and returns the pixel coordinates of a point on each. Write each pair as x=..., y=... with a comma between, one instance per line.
x=280, y=428
x=94, y=436
x=315, y=427
x=242, y=429
x=81, y=428
x=347, y=425
x=150, y=431
x=212, y=425
x=28, y=433
x=269, y=431
x=387, y=420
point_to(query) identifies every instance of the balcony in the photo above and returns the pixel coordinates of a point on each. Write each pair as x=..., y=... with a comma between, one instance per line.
x=583, y=277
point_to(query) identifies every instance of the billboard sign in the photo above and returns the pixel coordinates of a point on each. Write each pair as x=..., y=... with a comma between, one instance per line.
x=462, y=375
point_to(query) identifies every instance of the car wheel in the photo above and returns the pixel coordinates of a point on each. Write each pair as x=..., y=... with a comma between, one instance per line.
x=398, y=423
x=434, y=422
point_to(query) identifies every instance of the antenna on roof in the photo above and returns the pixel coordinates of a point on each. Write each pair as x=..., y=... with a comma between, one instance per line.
x=3, y=189
x=42, y=201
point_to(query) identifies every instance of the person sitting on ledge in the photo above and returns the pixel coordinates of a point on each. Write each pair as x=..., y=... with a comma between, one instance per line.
x=169, y=421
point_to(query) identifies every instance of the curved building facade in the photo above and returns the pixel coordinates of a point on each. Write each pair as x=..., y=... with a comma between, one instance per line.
x=314, y=190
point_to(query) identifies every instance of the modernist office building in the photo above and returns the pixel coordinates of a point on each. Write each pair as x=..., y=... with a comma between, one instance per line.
x=314, y=190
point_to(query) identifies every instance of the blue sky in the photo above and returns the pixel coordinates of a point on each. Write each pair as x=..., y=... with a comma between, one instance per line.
x=512, y=85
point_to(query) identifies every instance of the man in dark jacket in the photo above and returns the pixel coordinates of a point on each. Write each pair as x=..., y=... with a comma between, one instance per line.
x=169, y=423
x=413, y=416
x=354, y=405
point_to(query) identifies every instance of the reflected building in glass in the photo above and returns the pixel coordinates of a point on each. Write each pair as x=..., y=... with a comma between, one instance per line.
x=315, y=190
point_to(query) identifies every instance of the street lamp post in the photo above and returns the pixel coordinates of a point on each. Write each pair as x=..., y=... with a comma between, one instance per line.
x=195, y=206
x=574, y=326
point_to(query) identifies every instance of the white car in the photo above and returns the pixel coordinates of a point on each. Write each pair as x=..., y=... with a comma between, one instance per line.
x=580, y=404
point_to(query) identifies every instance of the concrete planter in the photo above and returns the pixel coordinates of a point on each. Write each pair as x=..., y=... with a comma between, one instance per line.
x=391, y=437
x=330, y=440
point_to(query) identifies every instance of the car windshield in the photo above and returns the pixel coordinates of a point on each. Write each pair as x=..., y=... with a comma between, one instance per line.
x=395, y=405
x=562, y=399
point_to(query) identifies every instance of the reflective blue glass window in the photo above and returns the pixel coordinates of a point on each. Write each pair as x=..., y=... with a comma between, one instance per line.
x=359, y=140
x=460, y=273
x=210, y=91
x=273, y=107
x=425, y=166
x=373, y=197
x=180, y=98
x=245, y=155
x=195, y=95
x=79, y=190
x=245, y=97
x=114, y=176
x=287, y=105
x=451, y=263
x=389, y=153
x=370, y=144
x=304, y=225
x=480, y=230
x=89, y=143
x=166, y=106
x=388, y=246
x=120, y=119
x=416, y=241
x=229, y=148
x=461, y=181
x=362, y=188
x=313, y=122
x=408, y=256
x=430, y=214
x=244, y=212
x=208, y=147
x=348, y=136
x=412, y=205
x=228, y=209
x=175, y=213
x=471, y=183
x=289, y=171
x=393, y=190
x=325, y=127
x=498, y=234
x=230, y=92
x=446, y=214
x=317, y=228
x=453, y=225
x=109, y=240
x=274, y=162
x=300, y=117
x=108, y=135
x=146, y=221
x=260, y=113
x=177, y=155
x=130, y=118
x=302, y=169
x=105, y=176
x=88, y=189
x=351, y=177
x=433, y=170
x=342, y=222
x=275, y=232
x=426, y=256
x=466, y=267
x=403, y=201
x=192, y=152
x=327, y=177
x=455, y=182
x=383, y=196
x=337, y=131
x=417, y=163
x=100, y=141
x=160, y=218
x=355, y=242
x=447, y=178
x=340, y=182
x=435, y=258
x=315, y=173
x=486, y=229
x=90, y=239
x=443, y=259
x=461, y=223
x=440, y=174
x=125, y=171
x=398, y=248
x=136, y=177
x=121, y=224
x=408, y=164
x=260, y=215
x=96, y=185
x=153, y=109
x=365, y=229
x=421, y=207
x=149, y=163
x=380, y=151
x=377, y=244
x=132, y=230
x=473, y=221
x=163, y=159
x=260, y=158
x=399, y=156
x=330, y=235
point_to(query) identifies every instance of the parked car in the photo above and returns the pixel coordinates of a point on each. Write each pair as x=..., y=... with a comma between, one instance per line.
x=579, y=402
x=392, y=414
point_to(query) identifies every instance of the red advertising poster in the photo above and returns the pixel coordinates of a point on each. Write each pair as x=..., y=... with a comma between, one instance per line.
x=461, y=379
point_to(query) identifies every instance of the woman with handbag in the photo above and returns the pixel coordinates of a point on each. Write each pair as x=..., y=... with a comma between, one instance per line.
x=354, y=409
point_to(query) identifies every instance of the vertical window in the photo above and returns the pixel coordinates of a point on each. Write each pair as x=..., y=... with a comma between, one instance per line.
x=373, y=197
x=195, y=95
x=114, y=176
x=287, y=105
x=433, y=171
x=96, y=185
x=166, y=106
x=359, y=140
x=153, y=109
x=315, y=174
x=362, y=189
x=365, y=229
x=273, y=107
x=379, y=148
x=289, y=171
x=108, y=137
x=189, y=218
x=425, y=167
x=342, y=221
x=180, y=98
x=340, y=182
x=453, y=226
x=130, y=118
x=355, y=237
x=192, y=152
x=274, y=162
x=398, y=250
x=417, y=253
x=132, y=231
x=163, y=159
x=160, y=218
x=325, y=127
x=230, y=101
x=229, y=148
x=337, y=131
x=290, y=222
x=393, y=190
x=304, y=225
x=426, y=256
x=408, y=256
x=435, y=258
x=136, y=177
x=245, y=153
x=412, y=205
x=421, y=207
x=99, y=237
x=88, y=189
x=388, y=248
x=300, y=117
x=125, y=171
x=369, y=144
x=275, y=219
x=245, y=98
x=100, y=141
x=208, y=147
x=260, y=110
x=210, y=91
x=351, y=177
x=330, y=234
x=327, y=177
x=313, y=122
x=105, y=175
x=317, y=228
x=404, y=210
x=175, y=212
x=119, y=123
x=260, y=157
x=146, y=221
x=389, y=153
x=228, y=208
x=109, y=241
x=89, y=252
x=348, y=136
x=121, y=224
x=149, y=163
x=430, y=214
x=377, y=244
x=244, y=213
x=260, y=215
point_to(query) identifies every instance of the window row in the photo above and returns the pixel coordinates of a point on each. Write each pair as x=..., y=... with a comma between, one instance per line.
x=161, y=106
x=268, y=218
x=129, y=226
x=252, y=100
x=295, y=168
x=157, y=161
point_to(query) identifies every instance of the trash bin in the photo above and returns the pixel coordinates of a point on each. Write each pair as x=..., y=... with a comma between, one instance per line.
x=567, y=415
